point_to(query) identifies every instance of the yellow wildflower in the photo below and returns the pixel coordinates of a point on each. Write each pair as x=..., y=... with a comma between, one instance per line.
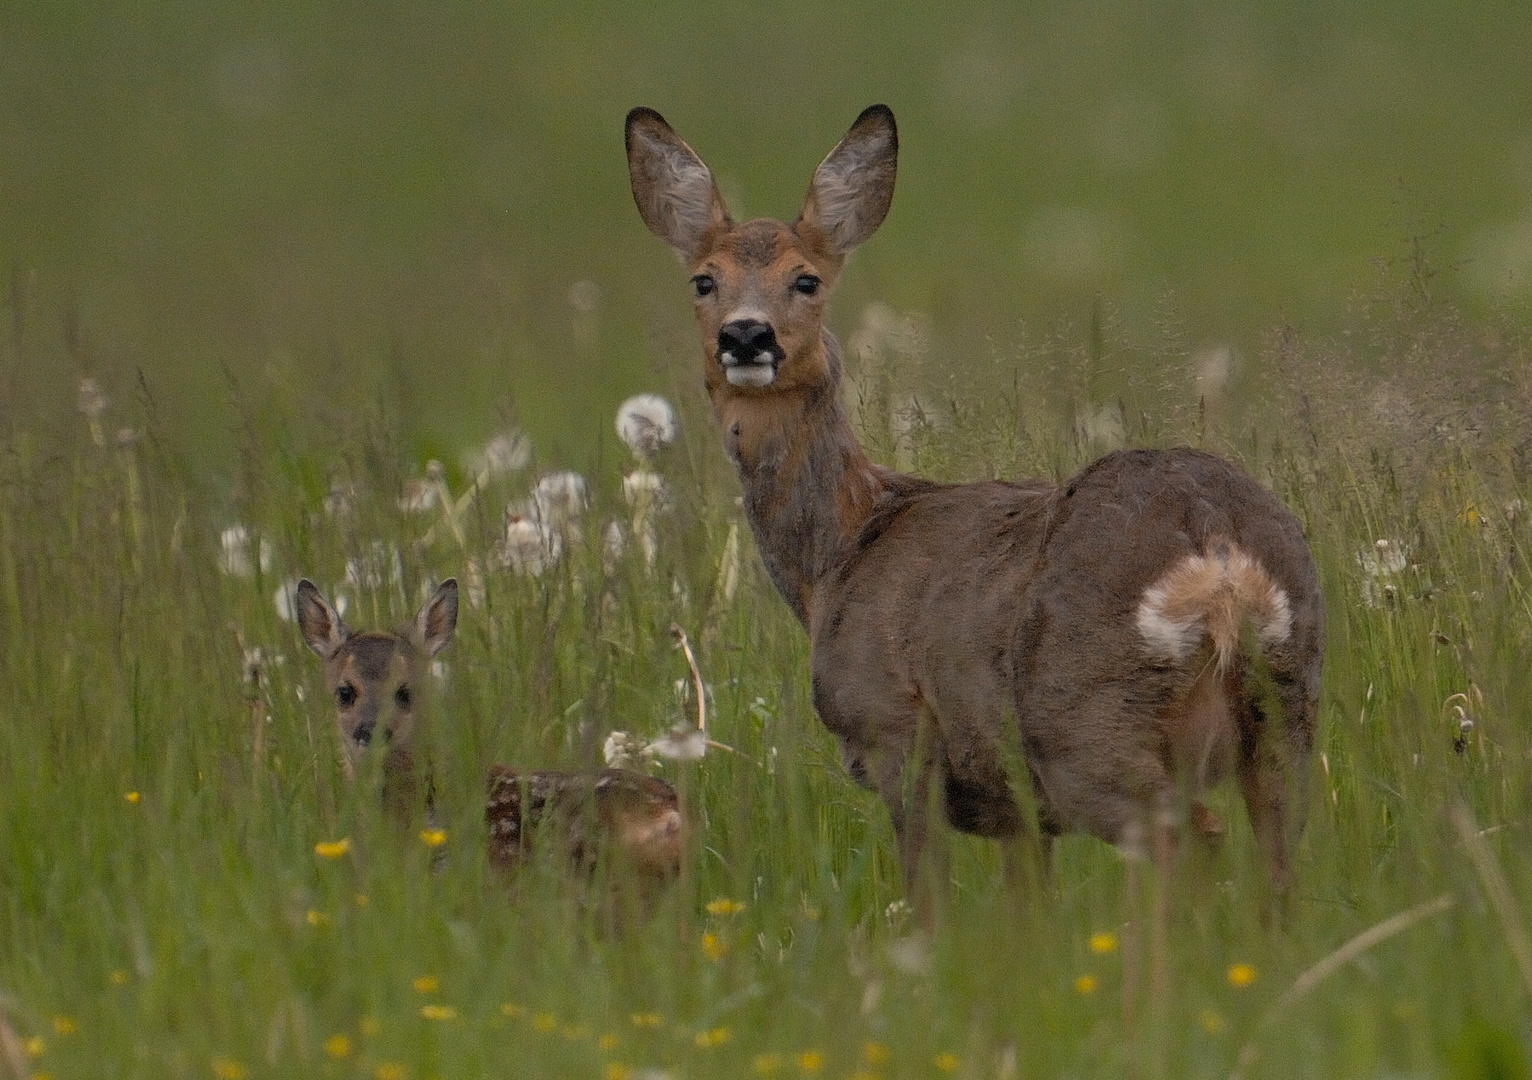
x=37, y=1046
x=63, y=1025
x=646, y=1020
x=1211, y=1022
x=360, y=899
x=946, y=1061
x=617, y=1071
x=875, y=1053
x=608, y=1042
x=1103, y=942
x=338, y=1046
x=1241, y=975
x=130, y=796
x=118, y=978
x=766, y=1064
x=426, y=984
x=714, y=946
x=724, y=906
x=1085, y=984
x=332, y=849
x=713, y=1037
x=810, y=1061
x=545, y=1021
x=316, y=918
x=575, y=1032
x=228, y=1069
x=433, y=837
x=514, y=1011
x=438, y=1012
x=388, y=1071
x=370, y=1026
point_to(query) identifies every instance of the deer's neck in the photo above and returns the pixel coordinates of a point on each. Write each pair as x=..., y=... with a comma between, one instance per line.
x=808, y=487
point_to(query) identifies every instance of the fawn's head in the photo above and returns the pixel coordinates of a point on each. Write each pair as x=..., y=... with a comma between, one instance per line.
x=761, y=285
x=374, y=676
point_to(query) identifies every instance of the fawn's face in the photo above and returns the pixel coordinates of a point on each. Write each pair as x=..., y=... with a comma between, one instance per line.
x=760, y=287
x=374, y=677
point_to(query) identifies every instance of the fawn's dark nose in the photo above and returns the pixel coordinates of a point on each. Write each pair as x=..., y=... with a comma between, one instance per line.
x=363, y=732
x=744, y=341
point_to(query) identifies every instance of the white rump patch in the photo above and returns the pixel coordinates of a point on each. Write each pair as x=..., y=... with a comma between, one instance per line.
x=1210, y=596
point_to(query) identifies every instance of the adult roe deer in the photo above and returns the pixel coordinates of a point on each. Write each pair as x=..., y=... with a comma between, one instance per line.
x=374, y=678
x=1097, y=627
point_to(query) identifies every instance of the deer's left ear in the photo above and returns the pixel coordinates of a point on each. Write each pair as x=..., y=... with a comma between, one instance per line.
x=437, y=619
x=854, y=185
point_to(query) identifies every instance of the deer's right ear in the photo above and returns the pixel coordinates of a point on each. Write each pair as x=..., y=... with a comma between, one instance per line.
x=319, y=622
x=674, y=190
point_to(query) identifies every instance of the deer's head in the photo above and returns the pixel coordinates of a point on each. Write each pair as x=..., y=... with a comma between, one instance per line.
x=375, y=677
x=761, y=285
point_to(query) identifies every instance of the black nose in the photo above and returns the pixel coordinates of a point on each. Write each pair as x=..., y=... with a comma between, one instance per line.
x=363, y=732
x=746, y=339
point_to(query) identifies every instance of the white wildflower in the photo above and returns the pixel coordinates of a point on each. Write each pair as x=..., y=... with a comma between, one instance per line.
x=1381, y=565
x=624, y=751
x=505, y=453
x=234, y=555
x=560, y=498
x=646, y=422
x=646, y=493
x=339, y=500
x=530, y=546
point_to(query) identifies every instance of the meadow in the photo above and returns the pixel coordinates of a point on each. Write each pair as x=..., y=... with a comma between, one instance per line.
x=189, y=888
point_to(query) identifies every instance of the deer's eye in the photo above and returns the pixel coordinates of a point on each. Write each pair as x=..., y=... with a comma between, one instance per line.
x=704, y=284
x=345, y=695
x=807, y=284
x=402, y=697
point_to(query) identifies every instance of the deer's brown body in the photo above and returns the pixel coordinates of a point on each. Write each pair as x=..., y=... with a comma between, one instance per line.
x=1096, y=626
x=375, y=678
x=637, y=816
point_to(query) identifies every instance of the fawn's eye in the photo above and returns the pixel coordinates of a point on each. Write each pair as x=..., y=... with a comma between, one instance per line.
x=807, y=284
x=704, y=284
x=345, y=695
x=402, y=697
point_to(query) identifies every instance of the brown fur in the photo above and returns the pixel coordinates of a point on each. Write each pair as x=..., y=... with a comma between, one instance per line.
x=949, y=623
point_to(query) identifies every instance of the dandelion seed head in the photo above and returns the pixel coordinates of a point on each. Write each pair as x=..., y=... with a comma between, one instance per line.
x=559, y=498
x=645, y=423
x=285, y=599
x=623, y=751
x=645, y=490
x=504, y=453
x=530, y=547
x=681, y=744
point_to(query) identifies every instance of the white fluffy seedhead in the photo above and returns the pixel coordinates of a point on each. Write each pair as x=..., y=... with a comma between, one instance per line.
x=646, y=422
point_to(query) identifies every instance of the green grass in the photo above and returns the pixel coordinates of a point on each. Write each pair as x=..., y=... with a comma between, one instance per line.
x=164, y=912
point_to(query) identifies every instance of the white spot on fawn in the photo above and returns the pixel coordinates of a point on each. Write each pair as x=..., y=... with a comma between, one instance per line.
x=1210, y=595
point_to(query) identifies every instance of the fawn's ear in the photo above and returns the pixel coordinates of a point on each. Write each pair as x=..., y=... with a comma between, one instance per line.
x=437, y=619
x=320, y=623
x=674, y=190
x=854, y=185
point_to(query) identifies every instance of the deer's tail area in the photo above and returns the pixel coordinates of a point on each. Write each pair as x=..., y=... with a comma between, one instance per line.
x=1212, y=596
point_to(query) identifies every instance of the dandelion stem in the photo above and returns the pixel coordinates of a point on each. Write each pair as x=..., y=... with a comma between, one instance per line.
x=1329, y=965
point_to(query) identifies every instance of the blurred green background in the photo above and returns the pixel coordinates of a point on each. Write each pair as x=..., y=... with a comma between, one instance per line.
x=432, y=198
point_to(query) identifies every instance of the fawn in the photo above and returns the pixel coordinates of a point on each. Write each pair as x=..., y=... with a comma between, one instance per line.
x=1096, y=630
x=373, y=676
